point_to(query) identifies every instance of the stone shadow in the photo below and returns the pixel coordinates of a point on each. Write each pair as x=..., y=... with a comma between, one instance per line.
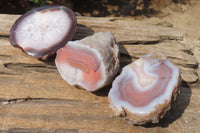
x=177, y=109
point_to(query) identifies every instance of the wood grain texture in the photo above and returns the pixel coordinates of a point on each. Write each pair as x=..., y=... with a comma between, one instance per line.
x=34, y=98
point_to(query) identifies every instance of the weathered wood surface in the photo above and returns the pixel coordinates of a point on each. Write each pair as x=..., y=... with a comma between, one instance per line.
x=34, y=98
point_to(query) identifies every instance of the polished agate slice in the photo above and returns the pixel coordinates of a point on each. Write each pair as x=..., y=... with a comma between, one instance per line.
x=41, y=31
x=90, y=63
x=144, y=90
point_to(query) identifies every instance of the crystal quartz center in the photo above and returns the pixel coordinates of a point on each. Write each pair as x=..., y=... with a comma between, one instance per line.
x=90, y=63
x=144, y=90
x=41, y=31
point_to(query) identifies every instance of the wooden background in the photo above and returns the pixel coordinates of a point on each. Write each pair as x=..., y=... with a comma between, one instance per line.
x=34, y=98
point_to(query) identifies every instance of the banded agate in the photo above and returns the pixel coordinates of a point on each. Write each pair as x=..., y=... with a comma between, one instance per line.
x=41, y=31
x=144, y=90
x=90, y=63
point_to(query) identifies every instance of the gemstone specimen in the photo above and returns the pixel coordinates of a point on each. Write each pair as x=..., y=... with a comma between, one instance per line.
x=144, y=90
x=90, y=63
x=41, y=31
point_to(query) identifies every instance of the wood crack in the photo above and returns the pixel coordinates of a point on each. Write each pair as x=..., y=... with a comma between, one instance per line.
x=74, y=102
x=15, y=101
x=25, y=67
x=39, y=130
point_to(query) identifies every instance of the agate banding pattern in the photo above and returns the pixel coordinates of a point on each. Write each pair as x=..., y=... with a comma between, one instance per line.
x=90, y=63
x=144, y=87
x=82, y=64
x=41, y=31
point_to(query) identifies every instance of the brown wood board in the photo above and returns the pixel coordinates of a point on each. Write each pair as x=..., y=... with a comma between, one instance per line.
x=34, y=98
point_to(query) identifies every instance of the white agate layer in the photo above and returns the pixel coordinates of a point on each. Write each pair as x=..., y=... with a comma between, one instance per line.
x=41, y=30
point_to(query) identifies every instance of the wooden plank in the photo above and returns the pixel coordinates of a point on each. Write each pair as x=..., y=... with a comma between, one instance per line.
x=173, y=50
x=129, y=30
x=29, y=77
x=78, y=115
x=34, y=98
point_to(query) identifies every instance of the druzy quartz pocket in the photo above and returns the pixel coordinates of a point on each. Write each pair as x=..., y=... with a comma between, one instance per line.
x=90, y=63
x=41, y=31
x=144, y=90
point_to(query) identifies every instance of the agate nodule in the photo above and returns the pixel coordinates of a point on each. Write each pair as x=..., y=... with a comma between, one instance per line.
x=41, y=31
x=90, y=63
x=144, y=90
